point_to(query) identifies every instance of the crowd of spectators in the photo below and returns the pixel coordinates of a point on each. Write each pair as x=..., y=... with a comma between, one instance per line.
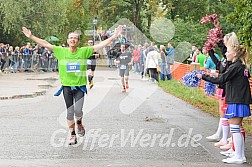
x=26, y=58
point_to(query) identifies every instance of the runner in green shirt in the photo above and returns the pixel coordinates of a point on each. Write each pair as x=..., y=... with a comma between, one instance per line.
x=72, y=72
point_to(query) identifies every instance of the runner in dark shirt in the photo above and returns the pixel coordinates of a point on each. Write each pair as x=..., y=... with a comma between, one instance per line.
x=124, y=59
x=91, y=65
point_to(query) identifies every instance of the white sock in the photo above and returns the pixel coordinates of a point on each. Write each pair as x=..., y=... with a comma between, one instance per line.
x=225, y=129
x=219, y=130
x=238, y=140
x=243, y=149
x=243, y=141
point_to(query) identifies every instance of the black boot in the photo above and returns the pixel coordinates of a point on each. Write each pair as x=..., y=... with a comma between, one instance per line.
x=169, y=76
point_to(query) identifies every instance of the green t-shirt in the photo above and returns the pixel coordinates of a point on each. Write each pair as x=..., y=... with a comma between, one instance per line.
x=72, y=66
x=201, y=59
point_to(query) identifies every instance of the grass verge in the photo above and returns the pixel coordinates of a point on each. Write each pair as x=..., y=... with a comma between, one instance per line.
x=198, y=98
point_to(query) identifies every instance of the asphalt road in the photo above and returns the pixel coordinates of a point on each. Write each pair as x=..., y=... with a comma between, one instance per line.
x=143, y=127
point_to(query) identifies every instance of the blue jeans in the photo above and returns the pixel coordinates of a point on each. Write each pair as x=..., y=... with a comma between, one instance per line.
x=168, y=71
x=136, y=67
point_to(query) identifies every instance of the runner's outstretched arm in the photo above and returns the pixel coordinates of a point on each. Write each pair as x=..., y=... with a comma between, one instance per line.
x=101, y=45
x=41, y=42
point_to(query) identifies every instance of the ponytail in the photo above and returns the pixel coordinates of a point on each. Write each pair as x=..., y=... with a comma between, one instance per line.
x=243, y=54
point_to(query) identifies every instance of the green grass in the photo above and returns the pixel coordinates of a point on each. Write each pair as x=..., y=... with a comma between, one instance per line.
x=197, y=98
x=191, y=95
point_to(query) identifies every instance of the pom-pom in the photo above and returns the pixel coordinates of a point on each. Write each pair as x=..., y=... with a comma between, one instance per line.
x=210, y=88
x=211, y=18
x=191, y=80
x=214, y=35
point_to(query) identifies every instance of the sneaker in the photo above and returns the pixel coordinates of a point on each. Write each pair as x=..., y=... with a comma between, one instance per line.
x=233, y=160
x=214, y=137
x=91, y=84
x=220, y=143
x=227, y=153
x=233, y=155
x=73, y=140
x=226, y=147
x=80, y=130
x=123, y=90
x=127, y=85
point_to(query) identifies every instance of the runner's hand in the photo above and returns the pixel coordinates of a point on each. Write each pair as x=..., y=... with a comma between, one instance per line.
x=26, y=32
x=118, y=30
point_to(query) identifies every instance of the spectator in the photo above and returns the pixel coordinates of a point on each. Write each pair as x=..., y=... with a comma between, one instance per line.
x=201, y=58
x=209, y=65
x=27, y=55
x=169, y=60
x=194, y=53
x=136, y=58
x=151, y=64
x=162, y=63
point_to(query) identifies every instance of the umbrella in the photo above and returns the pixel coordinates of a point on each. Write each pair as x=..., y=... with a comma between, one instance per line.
x=52, y=39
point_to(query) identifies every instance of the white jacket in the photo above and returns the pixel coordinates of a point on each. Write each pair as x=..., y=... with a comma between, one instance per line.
x=152, y=59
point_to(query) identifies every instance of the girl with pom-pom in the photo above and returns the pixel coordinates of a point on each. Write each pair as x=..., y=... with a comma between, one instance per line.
x=221, y=66
x=238, y=93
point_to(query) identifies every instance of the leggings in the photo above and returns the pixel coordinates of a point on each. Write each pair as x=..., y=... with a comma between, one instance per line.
x=74, y=100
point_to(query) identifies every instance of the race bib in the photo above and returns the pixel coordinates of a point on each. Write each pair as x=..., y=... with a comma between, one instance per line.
x=89, y=62
x=73, y=67
x=123, y=67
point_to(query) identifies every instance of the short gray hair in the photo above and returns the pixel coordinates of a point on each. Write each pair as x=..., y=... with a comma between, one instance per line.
x=74, y=33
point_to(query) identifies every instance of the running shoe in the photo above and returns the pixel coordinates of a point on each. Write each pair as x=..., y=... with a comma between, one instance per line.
x=127, y=85
x=73, y=140
x=80, y=130
x=91, y=84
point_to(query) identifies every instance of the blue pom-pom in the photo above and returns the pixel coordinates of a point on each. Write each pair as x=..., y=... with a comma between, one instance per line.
x=210, y=88
x=191, y=80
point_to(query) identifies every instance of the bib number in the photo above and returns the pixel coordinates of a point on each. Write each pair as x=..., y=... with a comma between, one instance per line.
x=73, y=67
x=123, y=67
x=89, y=62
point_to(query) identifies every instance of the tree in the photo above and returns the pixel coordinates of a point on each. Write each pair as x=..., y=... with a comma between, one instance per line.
x=241, y=18
x=194, y=33
x=77, y=18
x=43, y=17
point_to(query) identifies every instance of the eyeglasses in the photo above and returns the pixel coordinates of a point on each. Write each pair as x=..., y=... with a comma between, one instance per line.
x=74, y=38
